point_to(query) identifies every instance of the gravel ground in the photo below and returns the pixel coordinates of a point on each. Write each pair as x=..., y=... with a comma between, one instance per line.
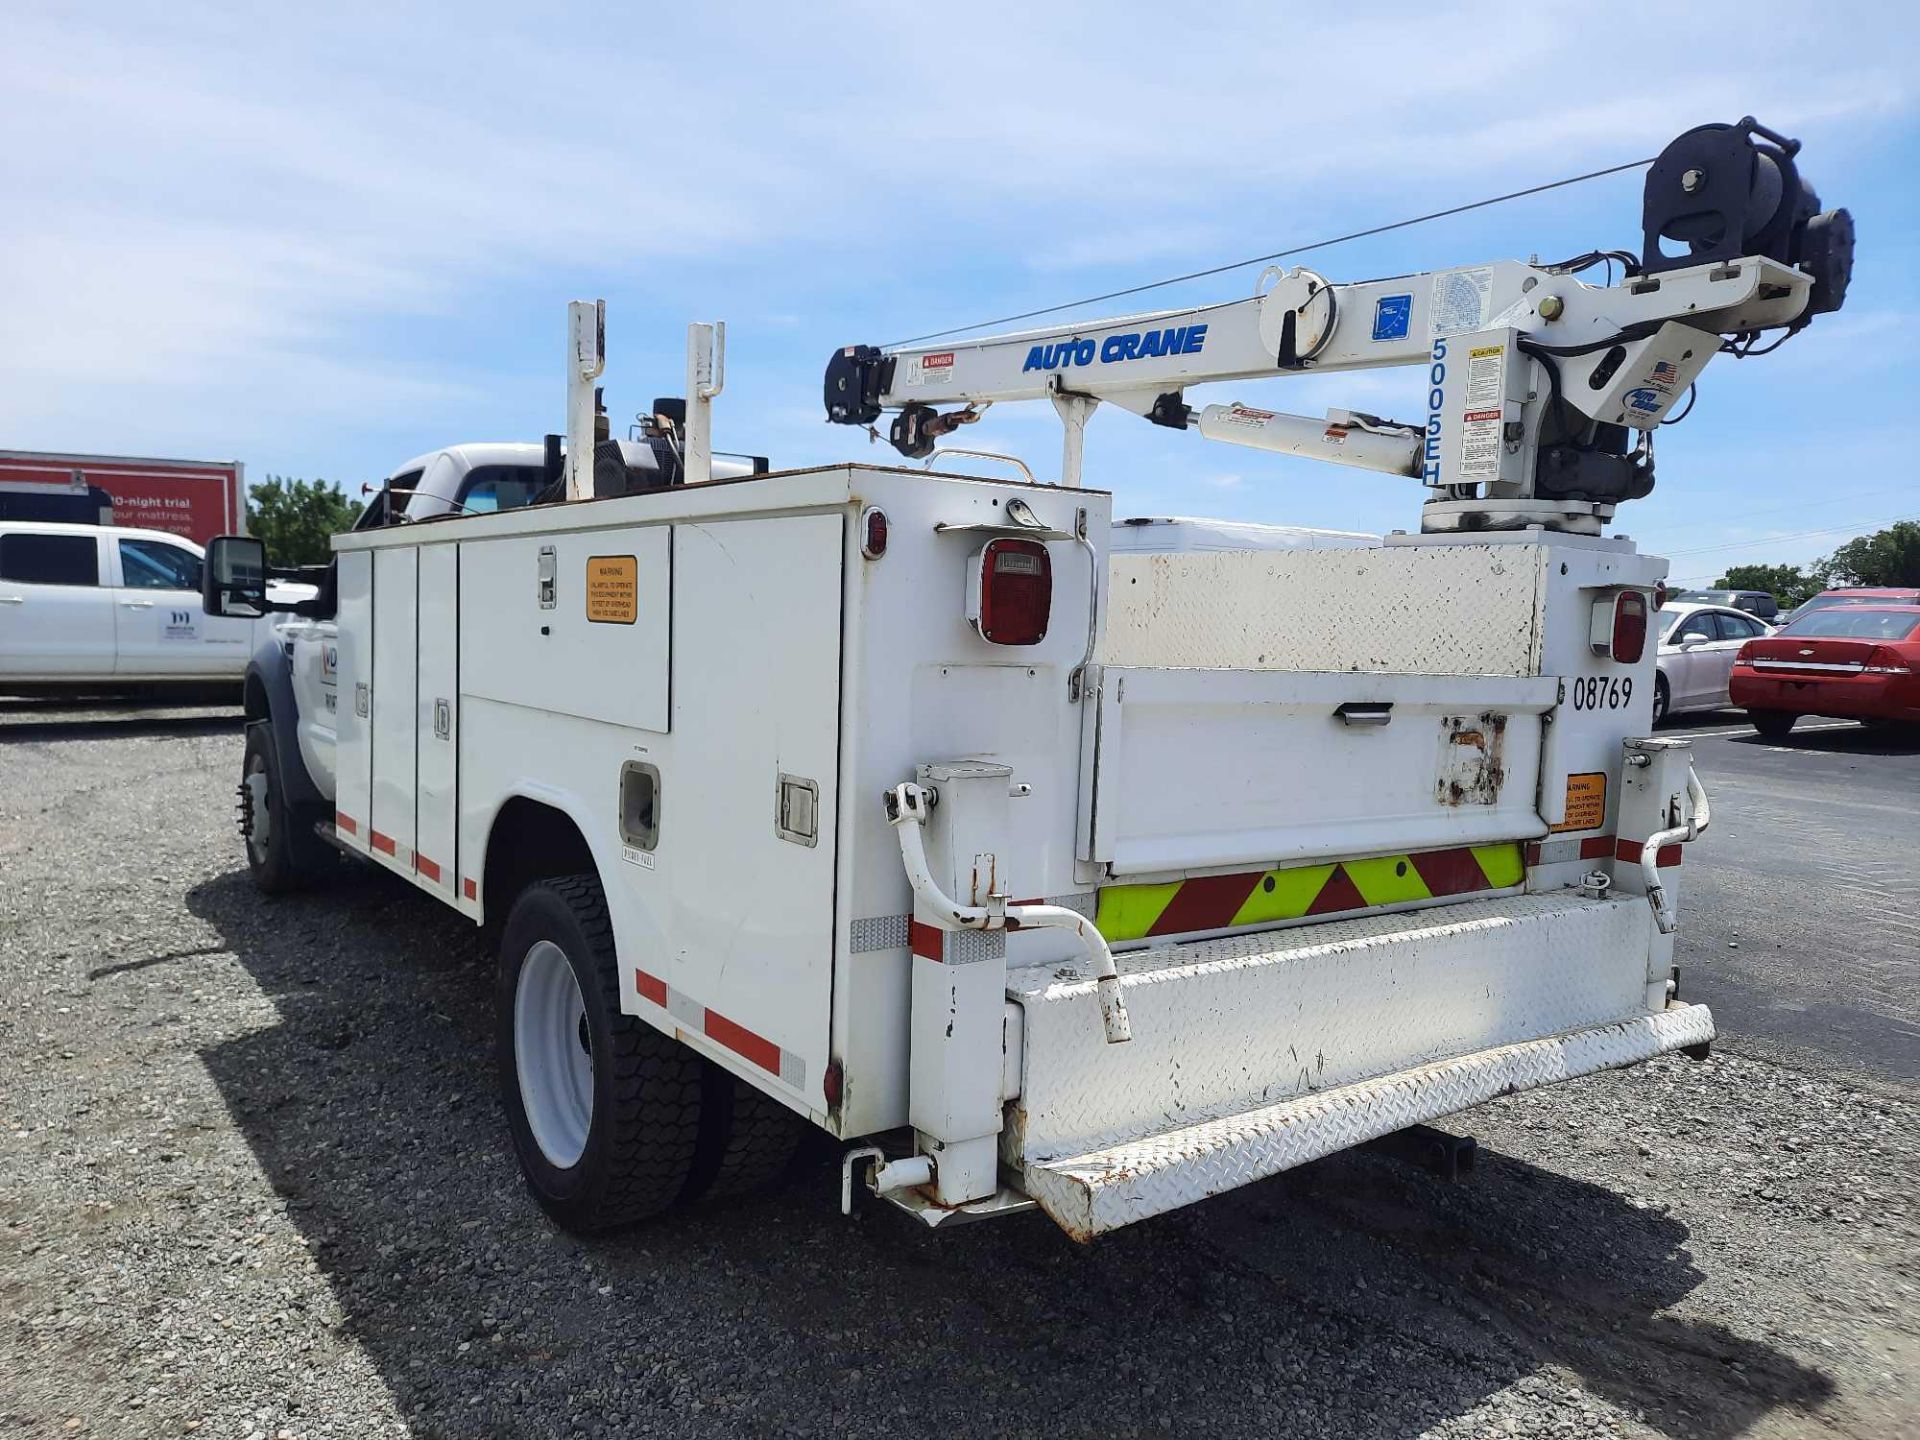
x=255, y=1183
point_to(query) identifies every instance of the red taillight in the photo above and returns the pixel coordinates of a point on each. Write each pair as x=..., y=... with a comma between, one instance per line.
x=1882, y=660
x=1629, y=627
x=1010, y=592
x=873, y=532
x=1745, y=655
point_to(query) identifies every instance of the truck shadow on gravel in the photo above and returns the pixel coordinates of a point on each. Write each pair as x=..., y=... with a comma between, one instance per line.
x=1353, y=1298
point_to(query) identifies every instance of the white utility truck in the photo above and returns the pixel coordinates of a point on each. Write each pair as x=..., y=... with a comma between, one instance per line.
x=897, y=803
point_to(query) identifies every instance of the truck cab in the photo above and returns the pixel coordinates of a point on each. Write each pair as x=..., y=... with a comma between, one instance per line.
x=471, y=479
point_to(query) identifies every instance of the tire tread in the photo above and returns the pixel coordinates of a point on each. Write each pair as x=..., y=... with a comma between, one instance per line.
x=650, y=1143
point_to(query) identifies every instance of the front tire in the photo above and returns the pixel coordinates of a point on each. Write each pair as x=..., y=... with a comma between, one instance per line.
x=283, y=853
x=604, y=1109
x=1773, y=724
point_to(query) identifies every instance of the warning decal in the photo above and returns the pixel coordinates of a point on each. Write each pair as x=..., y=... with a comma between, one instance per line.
x=1586, y=802
x=613, y=589
x=1480, y=425
x=935, y=369
x=1483, y=375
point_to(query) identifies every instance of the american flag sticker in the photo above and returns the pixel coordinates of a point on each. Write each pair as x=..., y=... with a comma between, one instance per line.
x=1665, y=374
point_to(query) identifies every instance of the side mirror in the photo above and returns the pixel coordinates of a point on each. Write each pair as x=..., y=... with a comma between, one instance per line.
x=234, y=579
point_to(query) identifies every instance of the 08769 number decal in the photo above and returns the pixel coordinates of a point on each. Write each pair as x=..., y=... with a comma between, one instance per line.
x=1601, y=692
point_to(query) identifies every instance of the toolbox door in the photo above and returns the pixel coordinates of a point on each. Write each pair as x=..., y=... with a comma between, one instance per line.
x=1197, y=769
x=353, y=685
x=395, y=621
x=744, y=873
x=436, y=721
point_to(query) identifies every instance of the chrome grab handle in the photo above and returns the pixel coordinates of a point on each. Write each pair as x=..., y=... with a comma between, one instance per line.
x=1365, y=713
x=907, y=809
x=1699, y=818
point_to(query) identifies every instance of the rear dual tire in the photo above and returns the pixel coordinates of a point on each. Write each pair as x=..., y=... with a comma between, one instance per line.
x=613, y=1120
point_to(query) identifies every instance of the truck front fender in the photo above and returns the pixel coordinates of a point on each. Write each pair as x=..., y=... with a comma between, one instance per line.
x=270, y=699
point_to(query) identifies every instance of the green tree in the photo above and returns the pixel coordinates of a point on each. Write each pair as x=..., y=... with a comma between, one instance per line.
x=1886, y=557
x=297, y=518
x=1788, y=584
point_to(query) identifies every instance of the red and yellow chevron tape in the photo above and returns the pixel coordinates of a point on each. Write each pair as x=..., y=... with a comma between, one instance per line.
x=1261, y=897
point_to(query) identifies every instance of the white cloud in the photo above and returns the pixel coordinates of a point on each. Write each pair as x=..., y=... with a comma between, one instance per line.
x=316, y=228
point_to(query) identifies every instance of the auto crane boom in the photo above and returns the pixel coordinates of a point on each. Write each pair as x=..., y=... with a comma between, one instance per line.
x=1542, y=391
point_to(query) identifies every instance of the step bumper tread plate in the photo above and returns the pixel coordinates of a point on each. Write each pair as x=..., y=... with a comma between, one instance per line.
x=1090, y=1194
x=1222, y=1027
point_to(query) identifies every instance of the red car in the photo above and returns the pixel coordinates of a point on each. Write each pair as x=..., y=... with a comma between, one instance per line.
x=1854, y=662
x=1857, y=595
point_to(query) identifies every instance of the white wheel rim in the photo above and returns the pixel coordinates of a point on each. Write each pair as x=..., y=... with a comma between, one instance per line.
x=552, y=1054
x=259, y=815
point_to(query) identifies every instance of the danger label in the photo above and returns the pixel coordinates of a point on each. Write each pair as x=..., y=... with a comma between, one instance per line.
x=934, y=369
x=1586, y=802
x=1480, y=443
x=1246, y=415
x=613, y=589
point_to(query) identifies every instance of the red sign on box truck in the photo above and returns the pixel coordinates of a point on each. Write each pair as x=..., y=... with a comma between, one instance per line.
x=195, y=498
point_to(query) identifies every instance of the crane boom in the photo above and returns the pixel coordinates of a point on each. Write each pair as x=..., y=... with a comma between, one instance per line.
x=1542, y=390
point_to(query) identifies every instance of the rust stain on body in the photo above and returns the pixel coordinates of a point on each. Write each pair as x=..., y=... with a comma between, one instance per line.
x=1472, y=765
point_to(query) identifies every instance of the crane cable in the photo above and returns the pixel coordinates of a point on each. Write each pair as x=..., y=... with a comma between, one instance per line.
x=1276, y=255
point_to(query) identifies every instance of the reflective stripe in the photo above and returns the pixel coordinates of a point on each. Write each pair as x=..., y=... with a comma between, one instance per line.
x=1283, y=895
x=1501, y=864
x=756, y=1049
x=1223, y=902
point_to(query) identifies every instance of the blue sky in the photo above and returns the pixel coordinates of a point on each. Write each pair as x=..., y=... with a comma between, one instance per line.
x=321, y=239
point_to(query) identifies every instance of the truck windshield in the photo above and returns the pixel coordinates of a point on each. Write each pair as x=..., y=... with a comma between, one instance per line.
x=488, y=488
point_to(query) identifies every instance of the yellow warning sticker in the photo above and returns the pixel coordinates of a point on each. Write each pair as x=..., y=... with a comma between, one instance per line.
x=1586, y=802
x=613, y=589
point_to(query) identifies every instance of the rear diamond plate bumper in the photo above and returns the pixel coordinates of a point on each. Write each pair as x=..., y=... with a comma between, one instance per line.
x=1105, y=1189
x=1228, y=1026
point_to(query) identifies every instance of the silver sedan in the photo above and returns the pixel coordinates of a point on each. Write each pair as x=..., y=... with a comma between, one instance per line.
x=1697, y=646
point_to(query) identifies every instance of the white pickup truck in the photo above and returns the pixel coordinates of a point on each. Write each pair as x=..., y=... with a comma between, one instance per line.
x=91, y=607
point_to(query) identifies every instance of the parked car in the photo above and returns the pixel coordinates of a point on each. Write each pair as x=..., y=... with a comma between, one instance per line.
x=1857, y=595
x=1754, y=602
x=1697, y=646
x=1855, y=662
x=87, y=606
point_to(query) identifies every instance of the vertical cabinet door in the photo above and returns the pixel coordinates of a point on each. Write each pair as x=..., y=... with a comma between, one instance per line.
x=436, y=862
x=396, y=573
x=353, y=707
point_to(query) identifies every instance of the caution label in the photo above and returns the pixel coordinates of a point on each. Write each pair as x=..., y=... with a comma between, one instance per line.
x=1586, y=802
x=613, y=589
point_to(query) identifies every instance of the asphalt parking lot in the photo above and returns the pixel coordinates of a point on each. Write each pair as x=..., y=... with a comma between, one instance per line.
x=255, y=1183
